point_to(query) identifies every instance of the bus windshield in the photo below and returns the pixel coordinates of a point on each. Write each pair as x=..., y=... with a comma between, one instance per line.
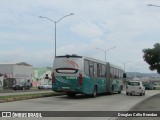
x=134, y=83
x=67, y=64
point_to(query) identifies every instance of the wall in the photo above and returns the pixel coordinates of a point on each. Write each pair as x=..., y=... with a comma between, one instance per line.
x=7, y=69
x=22, y=72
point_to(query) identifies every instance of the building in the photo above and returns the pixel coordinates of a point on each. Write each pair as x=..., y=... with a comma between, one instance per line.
x=21, y=71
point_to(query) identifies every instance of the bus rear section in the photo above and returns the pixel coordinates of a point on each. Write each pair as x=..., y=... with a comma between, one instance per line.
x=67, y=74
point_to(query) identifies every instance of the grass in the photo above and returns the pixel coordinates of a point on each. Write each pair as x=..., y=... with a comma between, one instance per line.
x=11, y=98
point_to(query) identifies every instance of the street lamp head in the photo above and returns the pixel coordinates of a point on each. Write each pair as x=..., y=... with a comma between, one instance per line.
x=72, y=14
x=149, y=5
x=153, y=5
x=40, y=17
x=55, y=25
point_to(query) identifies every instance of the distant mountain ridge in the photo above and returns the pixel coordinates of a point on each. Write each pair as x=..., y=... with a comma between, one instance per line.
x=137, y=74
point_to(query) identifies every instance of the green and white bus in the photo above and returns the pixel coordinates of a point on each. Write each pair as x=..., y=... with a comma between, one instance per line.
x=83, y=75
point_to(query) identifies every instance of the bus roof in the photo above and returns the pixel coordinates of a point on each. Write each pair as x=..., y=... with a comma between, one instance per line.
x=88, y=58
x=68, y=56
x=115, y=66
x=94, y=59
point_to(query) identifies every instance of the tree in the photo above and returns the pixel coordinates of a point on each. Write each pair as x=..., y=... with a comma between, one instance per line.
x=152, y=57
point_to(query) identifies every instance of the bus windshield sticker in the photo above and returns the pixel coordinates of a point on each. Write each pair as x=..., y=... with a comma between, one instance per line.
x=72, y=63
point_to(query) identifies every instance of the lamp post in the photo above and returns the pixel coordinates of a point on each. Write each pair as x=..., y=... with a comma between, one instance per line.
x=105, y=51
x=55, y=22
x=124, y=64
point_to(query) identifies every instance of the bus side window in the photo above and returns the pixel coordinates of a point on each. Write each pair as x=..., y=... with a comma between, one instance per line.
x=99, y=70
x=86, y=67
x=91, y=71
x=103, y=71
x=95, y=70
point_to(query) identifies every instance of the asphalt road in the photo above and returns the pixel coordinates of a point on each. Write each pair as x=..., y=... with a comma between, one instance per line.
x=117, y=102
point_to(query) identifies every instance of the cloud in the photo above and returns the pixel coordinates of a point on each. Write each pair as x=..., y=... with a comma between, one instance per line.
x=38, y=58
x=87, y=29
x=130, y=26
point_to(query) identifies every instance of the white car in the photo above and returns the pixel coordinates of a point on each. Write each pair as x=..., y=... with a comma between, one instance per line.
x=135, y=87
x=156, y=86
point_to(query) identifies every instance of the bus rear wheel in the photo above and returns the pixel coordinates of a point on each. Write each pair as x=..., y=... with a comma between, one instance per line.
x=111, y=92
x=95, y=92
x=70, y=94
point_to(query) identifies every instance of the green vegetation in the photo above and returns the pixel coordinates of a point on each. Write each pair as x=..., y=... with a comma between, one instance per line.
x=152, y=57
x=11, y=98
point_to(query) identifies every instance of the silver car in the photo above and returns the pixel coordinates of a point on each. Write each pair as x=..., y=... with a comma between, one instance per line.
x=45, y=86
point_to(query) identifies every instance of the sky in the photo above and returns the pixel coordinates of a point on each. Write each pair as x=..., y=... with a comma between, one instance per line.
x=128, y=25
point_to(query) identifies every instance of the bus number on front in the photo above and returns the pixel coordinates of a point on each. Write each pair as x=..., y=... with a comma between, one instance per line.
x=71, y=77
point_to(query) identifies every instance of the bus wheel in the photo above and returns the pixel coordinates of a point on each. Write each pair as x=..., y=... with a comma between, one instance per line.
x=70, y=94
x=111, y=92
x=95, y=92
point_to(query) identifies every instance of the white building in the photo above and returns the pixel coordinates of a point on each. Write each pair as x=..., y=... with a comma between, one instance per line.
x=1, y=81
x=20, y=71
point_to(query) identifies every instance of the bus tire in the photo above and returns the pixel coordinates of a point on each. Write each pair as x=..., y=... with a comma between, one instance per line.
x=70, y=94
x=111, y=92
x=119, y=92
x=95, y=92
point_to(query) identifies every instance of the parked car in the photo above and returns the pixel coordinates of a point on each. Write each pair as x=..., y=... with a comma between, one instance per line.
x=156, y=86
x=22, y=86
x=148, y=86
x=135, y=87
x=45, y=86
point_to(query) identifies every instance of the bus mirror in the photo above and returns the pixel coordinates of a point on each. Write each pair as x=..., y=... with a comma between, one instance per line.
x=1, y=74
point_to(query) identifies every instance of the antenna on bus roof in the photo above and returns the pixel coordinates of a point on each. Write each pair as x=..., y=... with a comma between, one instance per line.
x=74, y=55
x=67, y=55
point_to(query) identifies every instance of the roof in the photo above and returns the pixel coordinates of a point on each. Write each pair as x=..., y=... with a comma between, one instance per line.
x=15, y=63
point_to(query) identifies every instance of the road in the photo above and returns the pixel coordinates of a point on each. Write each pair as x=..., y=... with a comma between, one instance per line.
x=116, y=102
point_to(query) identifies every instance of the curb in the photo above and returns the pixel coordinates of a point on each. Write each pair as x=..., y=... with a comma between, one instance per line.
x=12, y=98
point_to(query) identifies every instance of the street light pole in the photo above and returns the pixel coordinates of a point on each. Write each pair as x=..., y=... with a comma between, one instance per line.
x=105, y=51
x=55, y=40
x=55, y=22
x=124, y=64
